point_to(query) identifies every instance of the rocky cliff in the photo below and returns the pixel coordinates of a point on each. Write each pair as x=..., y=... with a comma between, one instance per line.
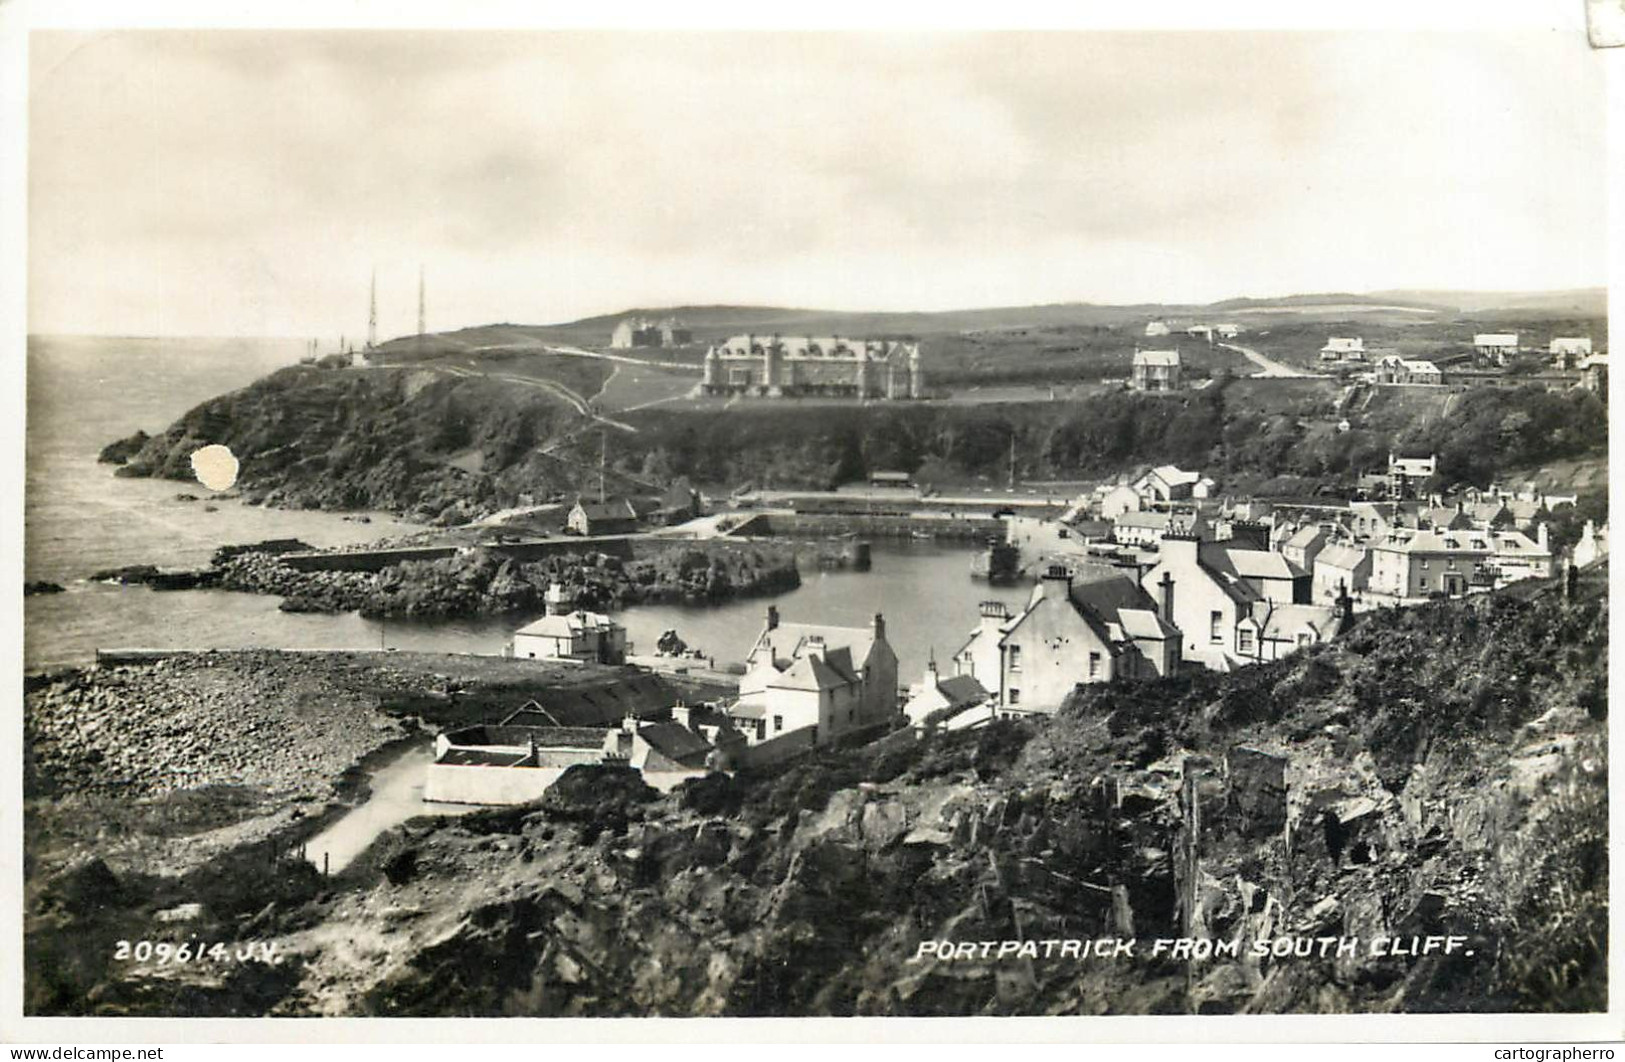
x=1432, y=787
x=434, y=446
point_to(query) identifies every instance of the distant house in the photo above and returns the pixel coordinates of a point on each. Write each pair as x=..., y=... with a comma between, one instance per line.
x=822, y=679
x=1343, y=348
x=1117, y=500
x=1169, y=483
x=1340, y=567
x=1566, y=351
x=1395, y=370
x=1227, y=330
x=1594, y=374
x=612, y=517
x=680, y=503
x=1092, y=626
x=1593, y=544
x=590, y=637
x=891, y=479
x=1156, y=328
x=1200, y=331
x=1302, y=546
x=1225, y=619
x=643, y=332
x=1415, y=564
x=1495, y=346
x=1155, y=370
x=1407, y=474
x=1146, y=529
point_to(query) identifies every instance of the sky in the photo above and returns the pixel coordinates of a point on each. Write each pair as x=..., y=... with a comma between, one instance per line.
x=248, y=182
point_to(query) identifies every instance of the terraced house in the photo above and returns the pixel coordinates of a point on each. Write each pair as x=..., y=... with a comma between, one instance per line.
x=1413, y=565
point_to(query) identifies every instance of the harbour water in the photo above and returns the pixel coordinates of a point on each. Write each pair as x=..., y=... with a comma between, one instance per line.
x=85, y=392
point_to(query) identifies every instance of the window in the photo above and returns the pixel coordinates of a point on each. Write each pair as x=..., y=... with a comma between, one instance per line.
x=1094, y=665
x=1244, y=639
x=1015, y=696
x=1015, y=658
x=1215, y=628
x=778, y=723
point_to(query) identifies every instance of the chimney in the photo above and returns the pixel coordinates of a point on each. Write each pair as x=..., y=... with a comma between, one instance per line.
x=1167, y=585
x=1057, y=581
x=629, y=723
x=880, y=627
x=681, y=714
x=1541, y=539
x=772, y=617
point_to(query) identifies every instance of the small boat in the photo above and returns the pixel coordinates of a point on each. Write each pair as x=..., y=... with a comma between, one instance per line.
x=922, y=535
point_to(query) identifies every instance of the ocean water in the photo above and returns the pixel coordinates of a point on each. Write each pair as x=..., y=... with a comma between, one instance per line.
x=85, y=392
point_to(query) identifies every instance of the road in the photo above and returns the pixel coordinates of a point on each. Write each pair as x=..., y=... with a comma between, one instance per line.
x=1269, y=368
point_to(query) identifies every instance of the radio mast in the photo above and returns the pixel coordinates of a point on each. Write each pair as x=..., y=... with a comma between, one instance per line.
x=372, y=311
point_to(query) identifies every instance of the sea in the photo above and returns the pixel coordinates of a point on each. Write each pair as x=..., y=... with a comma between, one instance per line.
x=84, y=392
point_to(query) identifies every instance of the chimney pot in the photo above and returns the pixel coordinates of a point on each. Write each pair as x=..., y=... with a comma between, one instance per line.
x=772, y=617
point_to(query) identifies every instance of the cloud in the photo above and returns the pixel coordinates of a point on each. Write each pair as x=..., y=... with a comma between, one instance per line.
x=219, y=181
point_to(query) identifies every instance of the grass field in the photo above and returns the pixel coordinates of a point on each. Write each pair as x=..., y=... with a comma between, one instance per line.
x=635, y=386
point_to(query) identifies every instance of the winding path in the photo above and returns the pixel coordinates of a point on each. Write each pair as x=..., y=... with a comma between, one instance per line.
x=1270, y=368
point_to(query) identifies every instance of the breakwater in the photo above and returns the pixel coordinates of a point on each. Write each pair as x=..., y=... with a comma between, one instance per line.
x=957, y=528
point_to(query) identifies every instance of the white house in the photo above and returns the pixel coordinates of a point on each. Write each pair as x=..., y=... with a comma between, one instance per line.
x=1156, y=328
x=1341, y=567
x=588, y=637
x=831, y=679
x=1393, y=369
x=1155, y=370
x=1495, y=346
x=1084, y=625
x=1568, y=351
x=1343, y=348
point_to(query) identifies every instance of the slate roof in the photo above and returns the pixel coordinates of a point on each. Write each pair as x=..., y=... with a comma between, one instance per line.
x=611, y=509
x=1249, y=563
x=1342, y=557
x=677, y=743
x=1156, y=357
x=567, y=625
x=962, y=690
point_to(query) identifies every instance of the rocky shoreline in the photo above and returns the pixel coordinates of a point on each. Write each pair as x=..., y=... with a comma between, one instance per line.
x=480, y=582
x=258, y=719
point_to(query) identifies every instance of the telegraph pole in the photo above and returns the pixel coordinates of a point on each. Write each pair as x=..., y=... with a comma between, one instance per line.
x=372, y=311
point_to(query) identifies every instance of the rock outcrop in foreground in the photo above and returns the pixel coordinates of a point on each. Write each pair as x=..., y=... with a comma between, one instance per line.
x=1439, y=774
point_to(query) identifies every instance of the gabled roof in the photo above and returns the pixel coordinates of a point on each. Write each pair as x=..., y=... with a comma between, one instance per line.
x=568, y=625
x=612, y=509
x=1156, y=357
x=1306, y=535
x=961, y=690
x=1341, y=556
x=1145, y=623
x=1495, y=339
x=1249, y=563
x=1174, y=476
x=676, y=742
x=1286, y=621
